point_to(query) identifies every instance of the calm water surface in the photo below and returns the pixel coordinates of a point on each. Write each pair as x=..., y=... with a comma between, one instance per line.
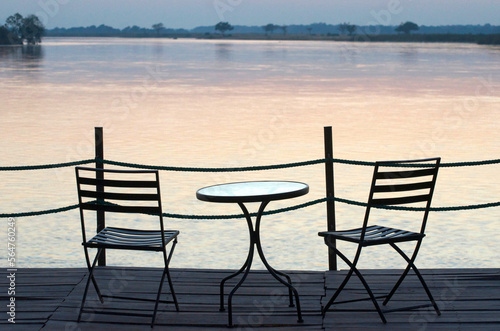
x=238, y=103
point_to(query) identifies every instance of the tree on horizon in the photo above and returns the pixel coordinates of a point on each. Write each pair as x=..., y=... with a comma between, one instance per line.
x=158, y=27
x=270, y=28
x=347, y=28
x=284, y=28
x=407, y=27
x=223, y=27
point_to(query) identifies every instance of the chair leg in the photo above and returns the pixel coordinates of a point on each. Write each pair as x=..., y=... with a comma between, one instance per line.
x=337, y=292
x=411, y=265
x=174, y=298
x=372, y=296
x=158, y=296
x=171, y=285
x=90, y=277
x=352, y=265
x=96, y=287
x=166, y=272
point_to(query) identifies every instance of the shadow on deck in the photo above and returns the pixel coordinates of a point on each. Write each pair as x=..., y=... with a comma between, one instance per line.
x=49, y=299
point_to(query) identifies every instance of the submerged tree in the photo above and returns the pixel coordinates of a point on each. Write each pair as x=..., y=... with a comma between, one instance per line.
x=29, y=29
x=223, y=27
x=14, y=24
x=32, y=30
x=407, y=27
x=6, y=37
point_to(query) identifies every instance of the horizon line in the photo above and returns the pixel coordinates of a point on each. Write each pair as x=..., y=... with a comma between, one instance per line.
x=288, y=25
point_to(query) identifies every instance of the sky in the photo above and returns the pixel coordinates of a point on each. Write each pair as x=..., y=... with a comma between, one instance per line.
x=188, y=14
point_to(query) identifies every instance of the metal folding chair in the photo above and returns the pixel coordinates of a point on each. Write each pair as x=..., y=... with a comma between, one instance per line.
x=131, y=192
x=395, y=185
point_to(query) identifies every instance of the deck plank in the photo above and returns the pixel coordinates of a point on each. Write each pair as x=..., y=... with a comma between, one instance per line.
x=49, y=299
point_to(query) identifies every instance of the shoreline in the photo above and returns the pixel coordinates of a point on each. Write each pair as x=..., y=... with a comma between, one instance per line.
x=481, y=39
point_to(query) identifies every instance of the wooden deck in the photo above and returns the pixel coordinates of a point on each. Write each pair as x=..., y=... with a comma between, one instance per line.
x=48, y=299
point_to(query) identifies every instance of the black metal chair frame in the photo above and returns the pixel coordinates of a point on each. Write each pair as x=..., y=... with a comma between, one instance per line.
x=424, y=172
x=95, y=193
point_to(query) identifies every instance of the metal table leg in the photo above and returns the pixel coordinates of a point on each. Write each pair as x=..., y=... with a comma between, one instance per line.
x=273, y=271
x=255, y=240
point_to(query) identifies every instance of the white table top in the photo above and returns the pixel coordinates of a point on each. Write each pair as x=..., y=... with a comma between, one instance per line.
x=252, y=191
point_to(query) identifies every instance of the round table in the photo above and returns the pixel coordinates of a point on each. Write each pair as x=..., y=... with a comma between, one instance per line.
x=255, y=191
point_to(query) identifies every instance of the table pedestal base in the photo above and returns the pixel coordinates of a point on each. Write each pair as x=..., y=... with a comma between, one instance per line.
x=245, y=269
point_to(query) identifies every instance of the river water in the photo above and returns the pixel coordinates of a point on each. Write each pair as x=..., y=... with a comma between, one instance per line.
x=213, y=103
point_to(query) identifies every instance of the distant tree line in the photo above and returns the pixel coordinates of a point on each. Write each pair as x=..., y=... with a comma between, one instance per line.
x=485, y=34
x=344, y=28
x=157, y=30
x=481, y=39
x=18, y=29
x=407, y=31
x=323, y=29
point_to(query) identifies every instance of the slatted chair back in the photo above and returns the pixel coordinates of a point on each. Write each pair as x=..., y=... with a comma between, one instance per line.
x=119, y=191
x=402, y=184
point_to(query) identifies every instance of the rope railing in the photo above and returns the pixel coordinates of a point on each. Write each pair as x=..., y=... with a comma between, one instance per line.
x=442, y=165
x=454, y=208
x=170, y=215
x=233, y=169
x=288, y=165
x=242, y=169
x=38, y=213
x=47, y=166
x=227, y=169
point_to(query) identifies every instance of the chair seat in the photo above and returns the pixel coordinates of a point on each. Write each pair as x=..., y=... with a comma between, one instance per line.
x=374, y=235
x=120, y=238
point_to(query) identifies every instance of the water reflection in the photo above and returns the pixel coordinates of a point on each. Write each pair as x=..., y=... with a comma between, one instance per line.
x=348, y=53
x=409, y=55
x=8, y=52
x=242, y=105
x=275, y=51
x=21, y=61
x=25, y=53
x=223, y=52
x=158, y=48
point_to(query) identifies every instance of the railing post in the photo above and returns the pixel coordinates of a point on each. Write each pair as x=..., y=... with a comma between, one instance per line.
x=330, y=194
x=99, y=155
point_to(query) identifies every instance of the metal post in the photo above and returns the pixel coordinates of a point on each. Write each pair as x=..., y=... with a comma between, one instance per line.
x=99, y=155
x=330, y=194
